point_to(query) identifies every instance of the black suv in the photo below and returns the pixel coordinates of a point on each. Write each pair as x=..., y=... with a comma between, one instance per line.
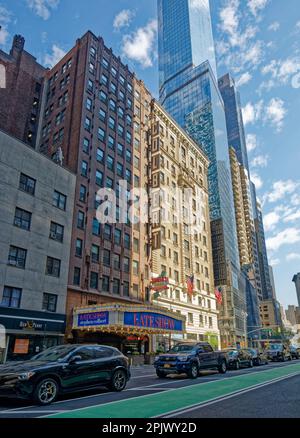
x=190, y=358
x=64, y=369
x=278, y=353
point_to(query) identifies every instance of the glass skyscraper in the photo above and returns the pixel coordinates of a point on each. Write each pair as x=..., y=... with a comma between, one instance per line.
x=189, y=92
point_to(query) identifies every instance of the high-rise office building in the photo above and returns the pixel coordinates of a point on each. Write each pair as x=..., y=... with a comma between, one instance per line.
x=20, y=98
x=296, y=280
x=189, y=92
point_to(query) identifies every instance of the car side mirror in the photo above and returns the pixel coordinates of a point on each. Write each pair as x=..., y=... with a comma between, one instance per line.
x=75, y=359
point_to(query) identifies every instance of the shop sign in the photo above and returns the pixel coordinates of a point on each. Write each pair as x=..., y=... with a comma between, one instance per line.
x=153, y=321
x=93, y=319
x=31, y=325
x=21, y=346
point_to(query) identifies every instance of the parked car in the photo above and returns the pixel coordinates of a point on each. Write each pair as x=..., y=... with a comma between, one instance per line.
x=295, y=352
x=190, y=358
x=237, y=359
x=278, y=353
x=64, y=369
x=258, y=357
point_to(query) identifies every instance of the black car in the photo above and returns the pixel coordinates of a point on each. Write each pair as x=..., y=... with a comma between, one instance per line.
x=239, y=358
x=190, y=358
x=295, y=352
x=259, y=357
x=64, y=369
x=278, y=353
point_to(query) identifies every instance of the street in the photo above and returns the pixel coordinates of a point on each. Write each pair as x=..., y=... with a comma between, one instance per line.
x=270, y=391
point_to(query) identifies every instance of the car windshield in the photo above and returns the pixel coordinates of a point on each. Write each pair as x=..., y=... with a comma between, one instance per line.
x=54, y=354
x=275, y=347
x=182, y=349
x=232, y=353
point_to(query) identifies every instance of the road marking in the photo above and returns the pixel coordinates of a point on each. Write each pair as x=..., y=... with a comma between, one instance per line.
x=142, y=377
x=35, y=412
x=147, y=389
x=191, y=408
x=150, y=405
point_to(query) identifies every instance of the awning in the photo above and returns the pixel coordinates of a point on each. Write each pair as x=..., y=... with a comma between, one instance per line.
x=126, y=319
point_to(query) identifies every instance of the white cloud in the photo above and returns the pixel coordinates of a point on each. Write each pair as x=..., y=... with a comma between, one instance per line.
x=272, y=113
x=274, y=26
x=292, y=256
x=289, y=236
x=257, y=180
x=5, y=18
x=43, y=8
x=123, y=19
x=274, y=262
x=252, y=142
x=281, y=189
x=260, y=161
x=243, y=79
x=280, y=72
x=140, y=46
x=200, y=4
x=53, y=58
x=257, y=6
x=252, y=112
x=271, y=220
x=292, y=217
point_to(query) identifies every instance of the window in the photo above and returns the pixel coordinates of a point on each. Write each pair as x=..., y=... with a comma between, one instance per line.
x=22, y=219
x=99, y=178
x=111, y=123
x=53, y=267
x=113, y=88
x=95, y=253
x=127, y=241
x=109, y=183
x=122, y=80
x=112, y=105
x=128, y=156
x=103, y=96
x=78, y=248
x=17, y=257
x=114, y=72
x=27, y=184
x=120, y=169
x=104, y=79
x=126, y=289
x=82, y=193
x=121, y=113
x=190, y=318
x=111, y=142
x=100, y=155
x=128, y=175
x=120, y=149
x=93, y=52
x=56, y=232
x=89, y=104
x=59, y=200
x=116, y=286
x=94, y=280
x=107, y=231
x=11, y=297
x=120, y=130
x=91, y=68
x=80, y=220
x=126, y=264
x=106, y=257
x=129, y=87
x=105, y=283
x=86, y=145
x=118, y=236
x=128, y=137
x=117, y=262
x=121, y=95
x=84, y=169
x=110, y=162
x=135, y=266
x=104, y=63
x=102, y=115
x=49, y=302
x=87, y=123
x=76, y=277
x=101, y=134
x=96, y=227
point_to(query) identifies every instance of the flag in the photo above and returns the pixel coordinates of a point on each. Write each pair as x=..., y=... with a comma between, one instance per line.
x=219, y=295
x=190, y=285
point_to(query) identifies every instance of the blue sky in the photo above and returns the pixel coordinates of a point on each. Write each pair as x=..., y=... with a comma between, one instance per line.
x=258, y=41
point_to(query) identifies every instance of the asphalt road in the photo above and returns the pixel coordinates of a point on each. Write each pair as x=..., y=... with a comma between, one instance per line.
x=267, y=391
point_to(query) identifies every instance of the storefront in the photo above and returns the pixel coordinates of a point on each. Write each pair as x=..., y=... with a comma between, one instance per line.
x=28, y=333
x=130, y=328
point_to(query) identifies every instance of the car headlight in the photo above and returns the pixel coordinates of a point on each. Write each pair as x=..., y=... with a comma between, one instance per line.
x=26, y=376
x=183, y=358
x=156, y=358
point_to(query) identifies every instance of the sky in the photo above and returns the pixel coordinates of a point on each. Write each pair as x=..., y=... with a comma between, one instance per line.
x=257, y=41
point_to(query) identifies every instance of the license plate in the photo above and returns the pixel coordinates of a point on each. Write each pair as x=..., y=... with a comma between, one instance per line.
x=167, y=365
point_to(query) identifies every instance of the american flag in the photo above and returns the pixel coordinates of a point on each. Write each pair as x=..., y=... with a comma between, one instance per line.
x=190, y=285
x=219, y=295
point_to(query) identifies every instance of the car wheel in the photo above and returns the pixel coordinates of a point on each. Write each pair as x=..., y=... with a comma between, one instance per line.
x=194, y=371
x=118, y=381
x=46, y=391
x=223, y=367
x=160, y=374
x=237, y=365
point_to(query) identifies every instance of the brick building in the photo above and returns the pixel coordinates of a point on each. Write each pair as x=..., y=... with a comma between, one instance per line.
x=21, y=97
